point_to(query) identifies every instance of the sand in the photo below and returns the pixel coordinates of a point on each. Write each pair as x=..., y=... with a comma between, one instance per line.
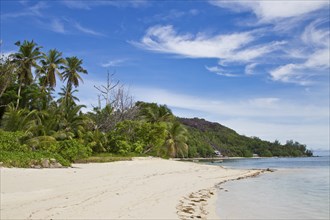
x=140, y=189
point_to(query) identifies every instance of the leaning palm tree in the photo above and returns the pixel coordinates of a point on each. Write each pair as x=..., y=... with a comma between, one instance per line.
x=51, y=63
x=176, y=140
x=156, y=114
x=26, y=58
x=72, y=68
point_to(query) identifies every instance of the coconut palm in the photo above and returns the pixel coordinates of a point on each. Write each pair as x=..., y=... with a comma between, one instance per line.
x=72, y=68
x=67, y=96
x=176, y=140
x=26, y=58
x=154, y=113
x=51, y=63
x=18, y=119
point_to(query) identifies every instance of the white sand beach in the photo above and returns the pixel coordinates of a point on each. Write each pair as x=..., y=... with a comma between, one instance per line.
x=149, y=188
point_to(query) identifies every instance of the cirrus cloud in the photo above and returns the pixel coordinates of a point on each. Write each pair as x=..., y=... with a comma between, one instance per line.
x=228, y=47
x=270, y=11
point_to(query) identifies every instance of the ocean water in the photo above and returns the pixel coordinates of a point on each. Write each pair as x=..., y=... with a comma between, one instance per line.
x=298, y=189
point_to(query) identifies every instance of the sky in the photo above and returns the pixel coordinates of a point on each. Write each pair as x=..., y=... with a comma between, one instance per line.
x=258, y=67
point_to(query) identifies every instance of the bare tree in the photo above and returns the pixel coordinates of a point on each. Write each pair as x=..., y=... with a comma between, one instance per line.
x=119, y=104
x=7, y=73
x=105, y=91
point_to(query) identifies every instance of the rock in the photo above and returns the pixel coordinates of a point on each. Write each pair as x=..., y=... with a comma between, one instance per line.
x=45, y=163
x=55, y=165
x=52, y=160
x=1, y=163
x=269, y=170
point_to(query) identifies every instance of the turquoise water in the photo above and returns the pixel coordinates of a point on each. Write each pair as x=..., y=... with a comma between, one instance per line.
x=298, y=189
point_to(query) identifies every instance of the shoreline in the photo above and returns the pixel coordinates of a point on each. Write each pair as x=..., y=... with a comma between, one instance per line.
x=202, y=204
x=121, y=190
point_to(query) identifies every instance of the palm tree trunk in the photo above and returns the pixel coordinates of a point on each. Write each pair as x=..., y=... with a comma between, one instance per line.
x=18, y=95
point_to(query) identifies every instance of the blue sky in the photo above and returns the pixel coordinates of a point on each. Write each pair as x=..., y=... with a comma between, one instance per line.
x=259, y=67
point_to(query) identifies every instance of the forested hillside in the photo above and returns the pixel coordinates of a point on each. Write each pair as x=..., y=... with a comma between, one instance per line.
x=205, y=137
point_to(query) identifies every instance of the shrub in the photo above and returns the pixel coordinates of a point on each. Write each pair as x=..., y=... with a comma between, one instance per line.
x=26, y=159
x=138, y=147
x=123, y=147
x=43, y=143
x=11, y=141
x=73, y=150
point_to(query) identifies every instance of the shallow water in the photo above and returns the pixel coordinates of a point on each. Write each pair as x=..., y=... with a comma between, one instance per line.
x=299, y=189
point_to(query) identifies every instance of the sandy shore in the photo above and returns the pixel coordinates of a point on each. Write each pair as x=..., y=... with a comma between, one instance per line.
x=139, y=189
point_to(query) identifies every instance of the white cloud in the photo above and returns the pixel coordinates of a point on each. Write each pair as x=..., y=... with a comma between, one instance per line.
x=284, y=73
x=227, y=48
x=249, y=69
x=172, y=15
x=85, y=30
x=164, y=39
x=113, y=63
x=34, y=10
x=87, y=5
x=314, y=55
x=77, y=4
x=254, y=52
x=319, y=59
x=264, y=102
x=57, y=26
x=219, y=71
x=315, y=36
x=269, y=11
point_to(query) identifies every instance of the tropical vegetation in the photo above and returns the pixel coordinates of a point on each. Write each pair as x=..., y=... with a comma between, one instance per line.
x=36, y=123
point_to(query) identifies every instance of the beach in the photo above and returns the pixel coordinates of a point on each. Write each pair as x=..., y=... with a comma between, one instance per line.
x=145, y=188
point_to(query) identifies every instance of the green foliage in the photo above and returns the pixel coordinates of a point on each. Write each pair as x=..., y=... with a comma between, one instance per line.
x=138, y=147
x=71, y=70
x=152, y=112
x=205, y=137
x=73, y=150
x=122, y=147
x=43, y=143
x=11, y=141
x=7, y=74
x=96, y=140
x=104, y=158
x=17, y=120
x=176, y=141
x=136, y=136
x=26, y=159
x=14, y=153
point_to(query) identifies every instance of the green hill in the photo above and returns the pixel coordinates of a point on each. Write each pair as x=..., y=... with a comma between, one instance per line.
x=206, y=137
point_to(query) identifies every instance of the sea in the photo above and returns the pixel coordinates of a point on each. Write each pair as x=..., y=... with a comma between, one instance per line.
x=298, y=189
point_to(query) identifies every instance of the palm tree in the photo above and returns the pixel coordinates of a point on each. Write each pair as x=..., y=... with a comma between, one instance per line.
x=67, y=96
x=176, y=140
x=153, y=113
x=18, y=119
x=72, y=68
x=26, y=58
x=51, y=63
